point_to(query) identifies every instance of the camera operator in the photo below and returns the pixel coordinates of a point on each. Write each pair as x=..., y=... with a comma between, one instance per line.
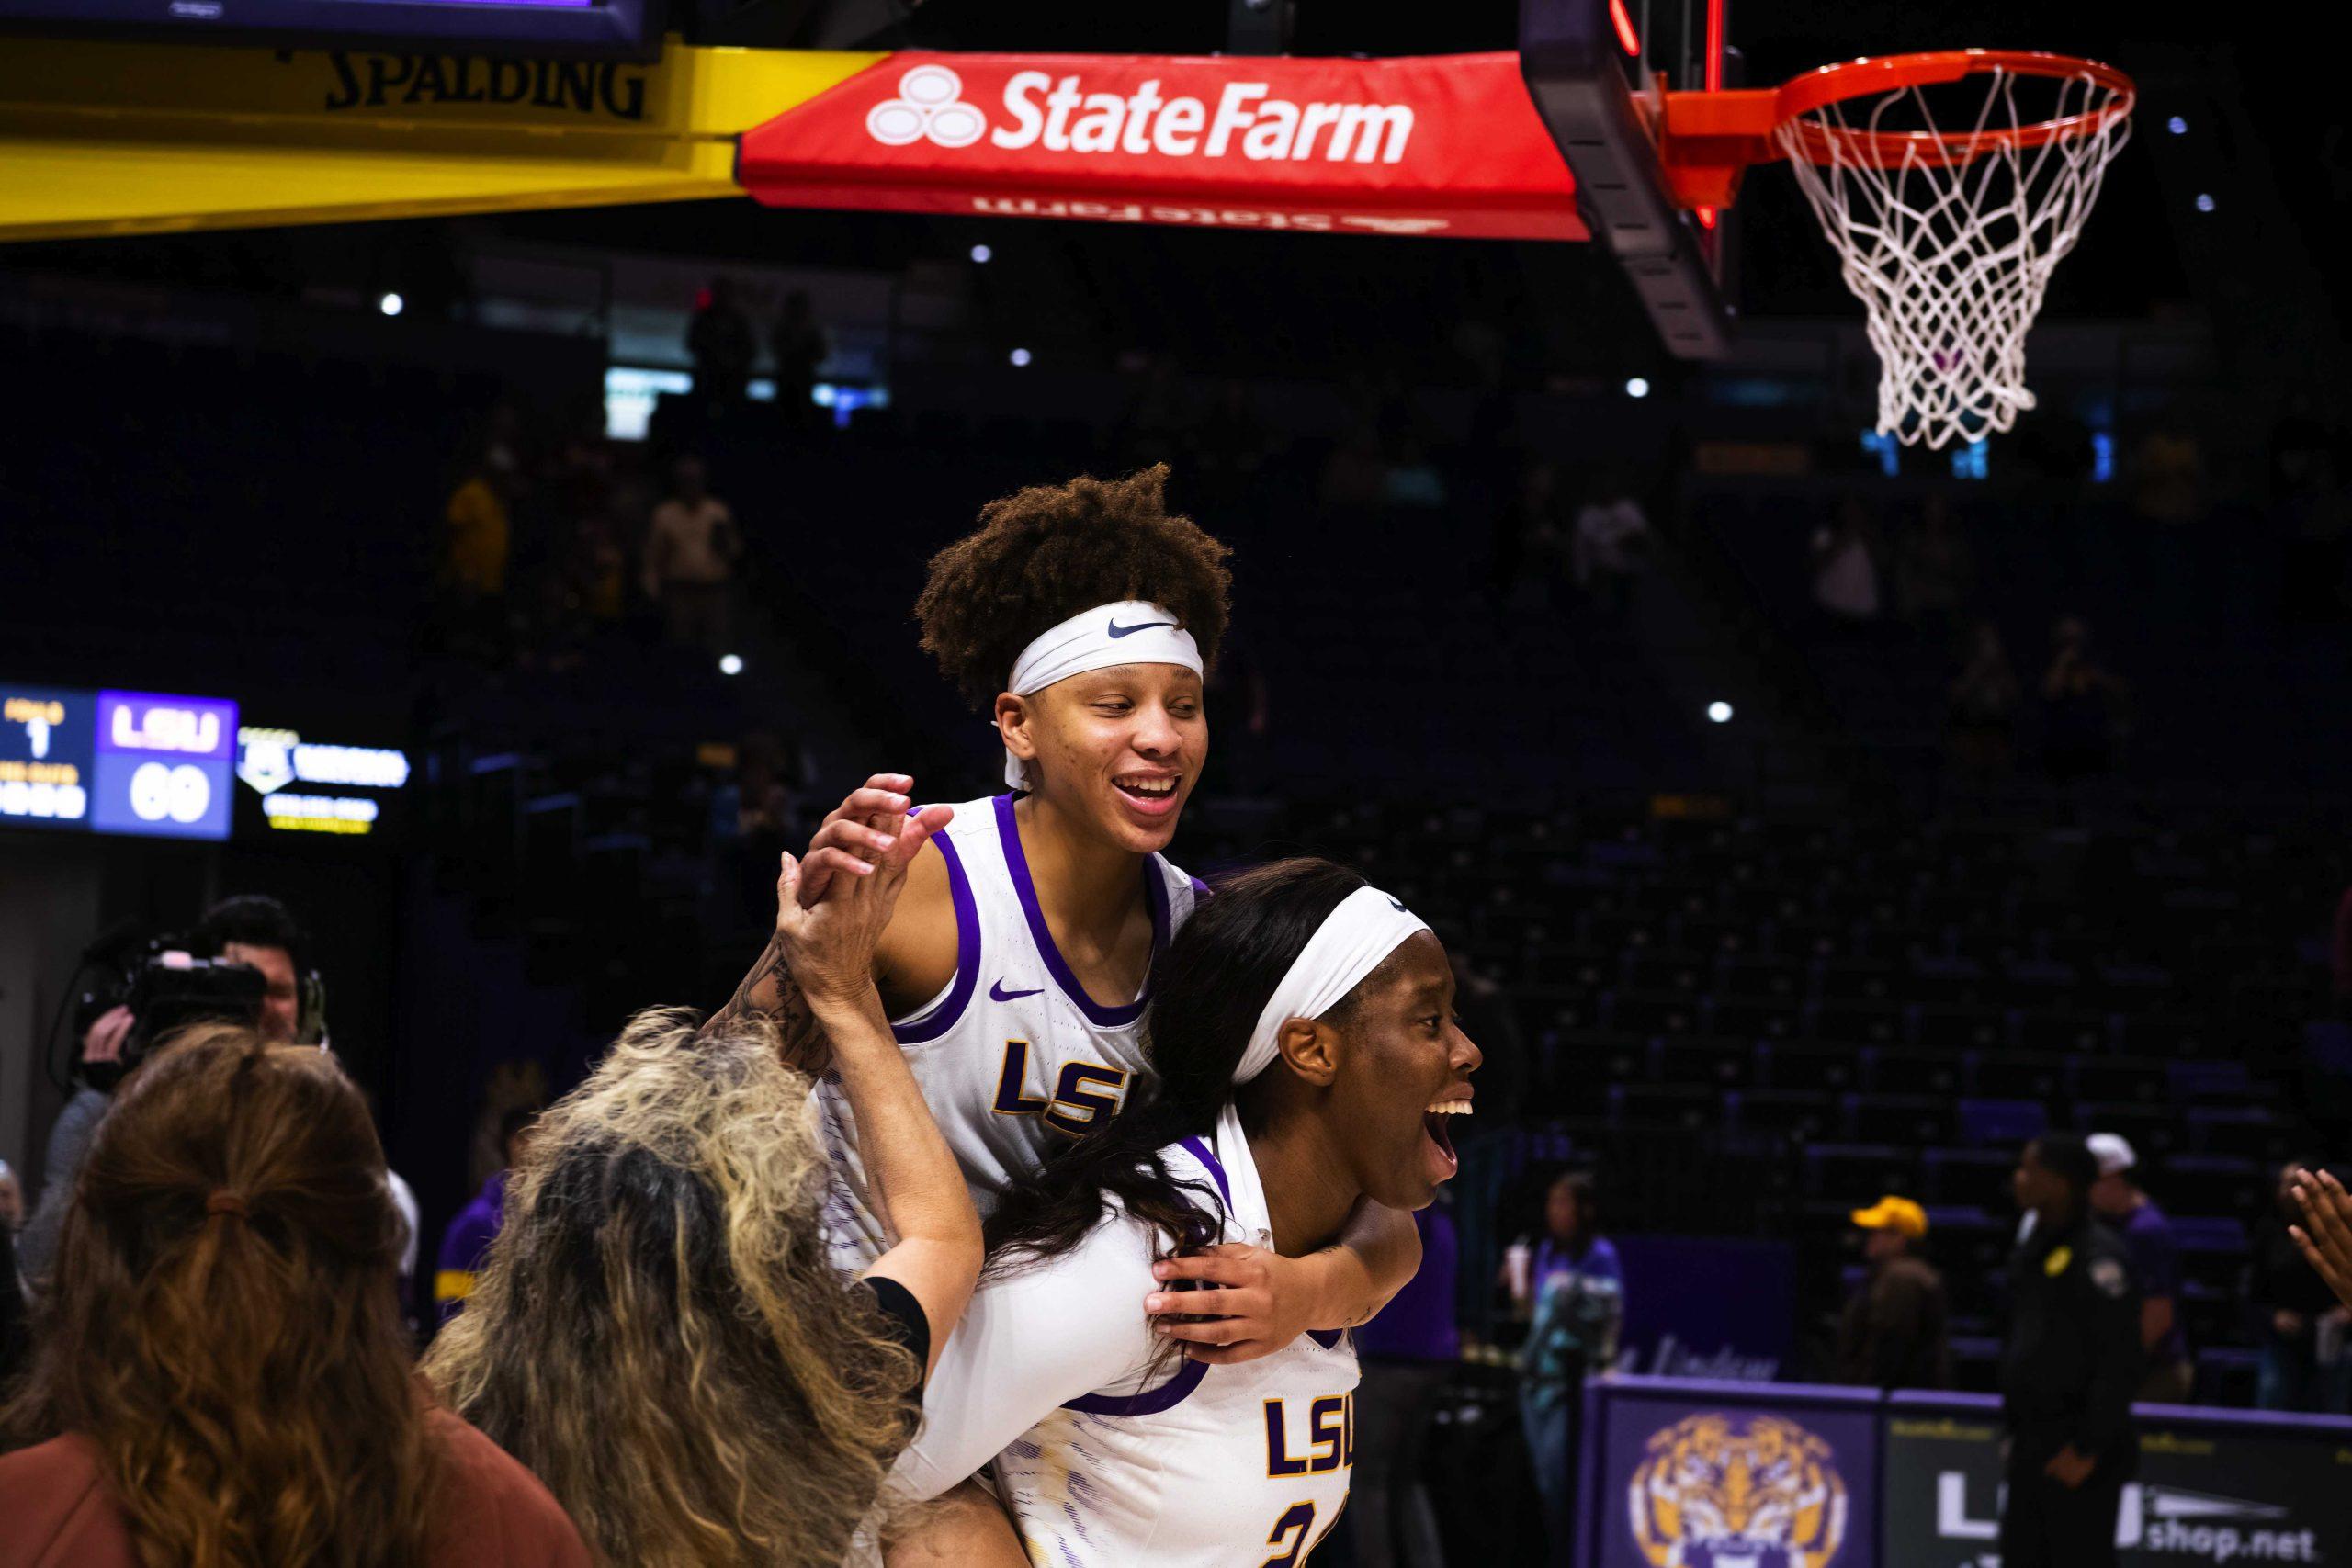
x=250, y=938
x=260, y=933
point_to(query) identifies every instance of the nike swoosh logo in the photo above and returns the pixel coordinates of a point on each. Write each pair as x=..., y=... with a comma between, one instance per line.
x=1118, y=631
x=997, y=993
x=1396, y=905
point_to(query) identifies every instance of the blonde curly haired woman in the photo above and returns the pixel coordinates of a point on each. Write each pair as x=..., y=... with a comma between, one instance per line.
x=659, y=1332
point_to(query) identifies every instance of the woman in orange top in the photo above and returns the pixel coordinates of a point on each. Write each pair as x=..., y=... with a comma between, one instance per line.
x=223, y=1378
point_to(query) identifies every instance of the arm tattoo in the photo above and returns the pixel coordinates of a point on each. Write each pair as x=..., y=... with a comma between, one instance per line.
x=804, y=1045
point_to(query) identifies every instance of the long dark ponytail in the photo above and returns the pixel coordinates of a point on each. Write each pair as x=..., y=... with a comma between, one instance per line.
x=1208, y=991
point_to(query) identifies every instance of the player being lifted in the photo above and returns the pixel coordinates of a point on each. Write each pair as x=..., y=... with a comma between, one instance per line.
x=1081, y=617
x=1303, y=1058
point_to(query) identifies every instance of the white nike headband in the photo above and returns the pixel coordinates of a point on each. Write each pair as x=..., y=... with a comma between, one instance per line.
x=1353, y=941
x=1129, y=631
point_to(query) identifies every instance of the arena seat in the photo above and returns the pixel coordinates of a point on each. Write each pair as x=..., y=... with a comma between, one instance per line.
x=1923, y=1119
x=1794, y=1115
x=1810, y=1067
x=1890, y=1069
x=2008, y=1122
x=1974, y=1177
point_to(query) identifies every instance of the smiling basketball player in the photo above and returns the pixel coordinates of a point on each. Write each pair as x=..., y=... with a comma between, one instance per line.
x=1305, y=1059
x=1082, y=617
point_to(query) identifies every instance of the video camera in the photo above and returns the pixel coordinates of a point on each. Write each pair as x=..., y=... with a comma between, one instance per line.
x=166, y=986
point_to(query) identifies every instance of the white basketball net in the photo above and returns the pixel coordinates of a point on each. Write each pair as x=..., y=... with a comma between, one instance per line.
x=1951, y=254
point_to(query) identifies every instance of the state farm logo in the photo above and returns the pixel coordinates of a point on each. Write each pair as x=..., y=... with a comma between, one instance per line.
x=1061, y=116
x=929, y=107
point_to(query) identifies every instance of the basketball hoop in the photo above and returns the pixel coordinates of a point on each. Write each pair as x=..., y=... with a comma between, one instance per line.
x=1949, y=208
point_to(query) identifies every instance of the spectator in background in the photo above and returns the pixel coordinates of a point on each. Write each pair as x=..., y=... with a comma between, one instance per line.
x=476, y=538
x=2084, y=706
x=2295, y=1317
x=1893, y=1332
x=2154, y=1255
x=798, y=347
x=1530, y=535
x=1982, y=703
x=690, y=560
x=467, y=1241
x=514, y=1083
x=1845, y=567
x=1933, y=570
x=596, y=571
x=153, y=1429
x=2069, y=1365
x=1576, y=1292
x=720, y=342
x=1610, y=543
x=2167, y=474
x=1408, y=1351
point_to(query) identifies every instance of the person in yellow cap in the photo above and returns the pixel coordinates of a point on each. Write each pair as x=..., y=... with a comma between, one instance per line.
x=1891, y=1334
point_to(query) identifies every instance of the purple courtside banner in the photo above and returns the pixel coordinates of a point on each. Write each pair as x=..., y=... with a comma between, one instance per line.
x=1708, y=1307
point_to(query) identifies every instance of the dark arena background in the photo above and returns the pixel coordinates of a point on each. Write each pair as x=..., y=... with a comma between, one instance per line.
x=1814, y=818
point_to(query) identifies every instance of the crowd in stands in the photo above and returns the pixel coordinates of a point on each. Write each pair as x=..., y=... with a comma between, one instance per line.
x=1881, y=1003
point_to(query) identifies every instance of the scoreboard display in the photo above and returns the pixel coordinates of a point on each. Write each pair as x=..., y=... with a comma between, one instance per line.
x=141, y=763
x=298, y=782
x=625, y=29
x=159, y=765
x=48, y=738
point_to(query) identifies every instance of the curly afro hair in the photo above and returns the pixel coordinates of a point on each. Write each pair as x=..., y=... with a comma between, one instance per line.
x=1042, y=555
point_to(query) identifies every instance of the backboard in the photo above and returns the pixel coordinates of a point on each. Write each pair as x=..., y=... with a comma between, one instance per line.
x=1597, y=71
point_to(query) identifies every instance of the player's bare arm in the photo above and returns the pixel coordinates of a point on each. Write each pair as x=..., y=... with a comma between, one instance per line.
x=1263, y=1301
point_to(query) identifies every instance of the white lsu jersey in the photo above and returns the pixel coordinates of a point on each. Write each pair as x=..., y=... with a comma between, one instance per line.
x=1103, y=1462
x=1012, y=1053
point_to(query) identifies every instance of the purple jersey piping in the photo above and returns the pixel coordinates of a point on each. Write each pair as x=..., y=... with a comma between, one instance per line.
x=1172, y=1393
x=1150, y=1401
x=1155, y=888
x=930, y=1026
x=1199, y=1149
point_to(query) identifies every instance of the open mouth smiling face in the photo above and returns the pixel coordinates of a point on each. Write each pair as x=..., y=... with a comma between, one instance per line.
x=1407, y=1082
x=1125, y=745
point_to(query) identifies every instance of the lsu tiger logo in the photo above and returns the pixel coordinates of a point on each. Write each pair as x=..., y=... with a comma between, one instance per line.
x=1717, y=1491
